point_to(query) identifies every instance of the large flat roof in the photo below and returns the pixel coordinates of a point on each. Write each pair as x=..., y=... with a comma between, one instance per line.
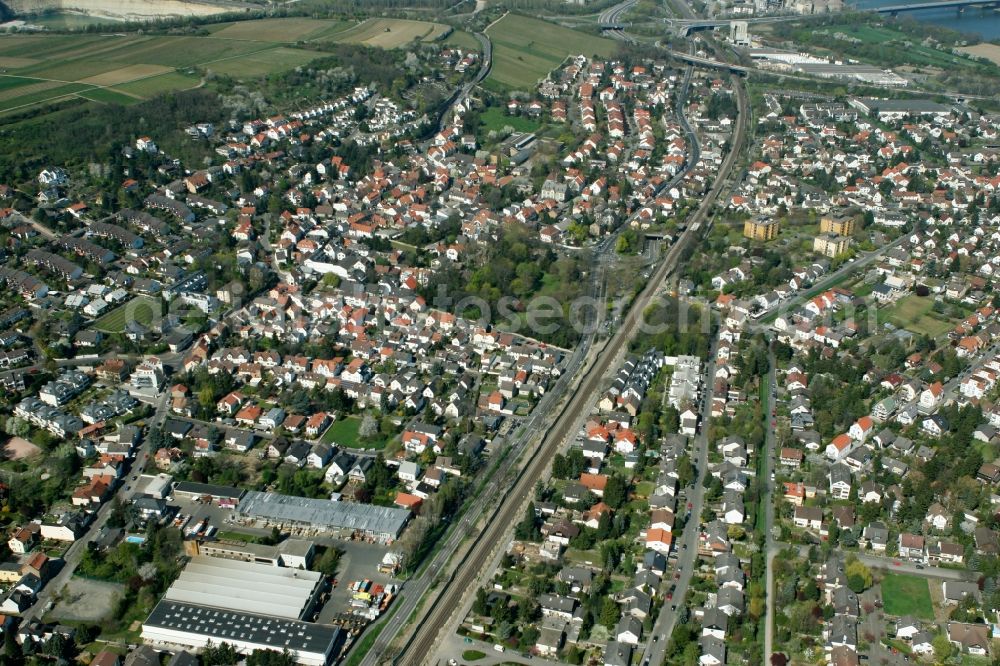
x=324, y=514
x=245, y=587
x=290, y=547
x=194, y=488
x=226, y=625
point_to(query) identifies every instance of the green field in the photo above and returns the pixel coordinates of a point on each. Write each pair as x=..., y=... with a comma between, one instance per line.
x=495, y=118
x=141, y=309
x=895, y=40
x=288, y=30
x=914, y=314
x=391, y=33
x=41, y=68
x=525, y=49
x=343, y=432
x=463, y=40
x=903, y=594
x=108, y=96
x=157, y=84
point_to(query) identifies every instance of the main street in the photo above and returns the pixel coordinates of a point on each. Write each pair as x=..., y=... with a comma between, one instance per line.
x=73, y=555
x=656, y=641
x=767, y=497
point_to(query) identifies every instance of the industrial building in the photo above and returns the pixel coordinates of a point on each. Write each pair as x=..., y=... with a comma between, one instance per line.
x=179, y=625
x=343, y=519
x=223, y=495
x=247, y=587
x=290, y=553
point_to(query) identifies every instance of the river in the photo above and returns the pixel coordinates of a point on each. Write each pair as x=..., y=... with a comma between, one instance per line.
x=985, y=23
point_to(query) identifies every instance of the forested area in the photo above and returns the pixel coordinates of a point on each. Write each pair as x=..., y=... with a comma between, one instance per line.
x=81, y=134
x=505, y=275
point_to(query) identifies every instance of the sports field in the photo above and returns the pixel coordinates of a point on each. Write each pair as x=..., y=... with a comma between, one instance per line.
x=526, y=49
x=389, y=33
x=141, y=309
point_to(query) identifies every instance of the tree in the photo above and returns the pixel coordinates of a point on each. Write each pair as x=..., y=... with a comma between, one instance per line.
x=223, y=654
x=59, y=646
x=270, y=658
x=942, y=647
x=328, y=561
x=615, y=492
x=527, y=529
x=861, y=574
x=368, y=427
x=609, y=613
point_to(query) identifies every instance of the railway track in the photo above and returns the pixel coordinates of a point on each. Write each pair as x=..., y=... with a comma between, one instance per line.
x=420, y=648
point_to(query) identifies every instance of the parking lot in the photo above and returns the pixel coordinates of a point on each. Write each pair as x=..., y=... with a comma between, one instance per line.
x=357, y=561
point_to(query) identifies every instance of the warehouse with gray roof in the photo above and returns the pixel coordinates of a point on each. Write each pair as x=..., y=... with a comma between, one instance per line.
x=179, y=625
x=342, y=519
x=247, y=587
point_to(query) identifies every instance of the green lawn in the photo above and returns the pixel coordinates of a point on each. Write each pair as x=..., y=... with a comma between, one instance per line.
x=344, y=432
x=473, y=655
x=914, y=314
x=141, y=309
x=526, y=49
x=495, y=118
x=904, y=594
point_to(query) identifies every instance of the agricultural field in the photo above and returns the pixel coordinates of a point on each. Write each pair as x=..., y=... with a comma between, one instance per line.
x=44, y=68
x=905, y=595
x=286, y=30
x=915, y=315
x=390, y=33
x=142, y=309
x=525, y=49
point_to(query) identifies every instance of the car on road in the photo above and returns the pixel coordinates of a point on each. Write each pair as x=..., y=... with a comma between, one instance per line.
x=677, y=575
x=690, y=506
x=467, y=639
x=135, y=476
x=774, y=423
x=895, y=563
x=920, y=566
